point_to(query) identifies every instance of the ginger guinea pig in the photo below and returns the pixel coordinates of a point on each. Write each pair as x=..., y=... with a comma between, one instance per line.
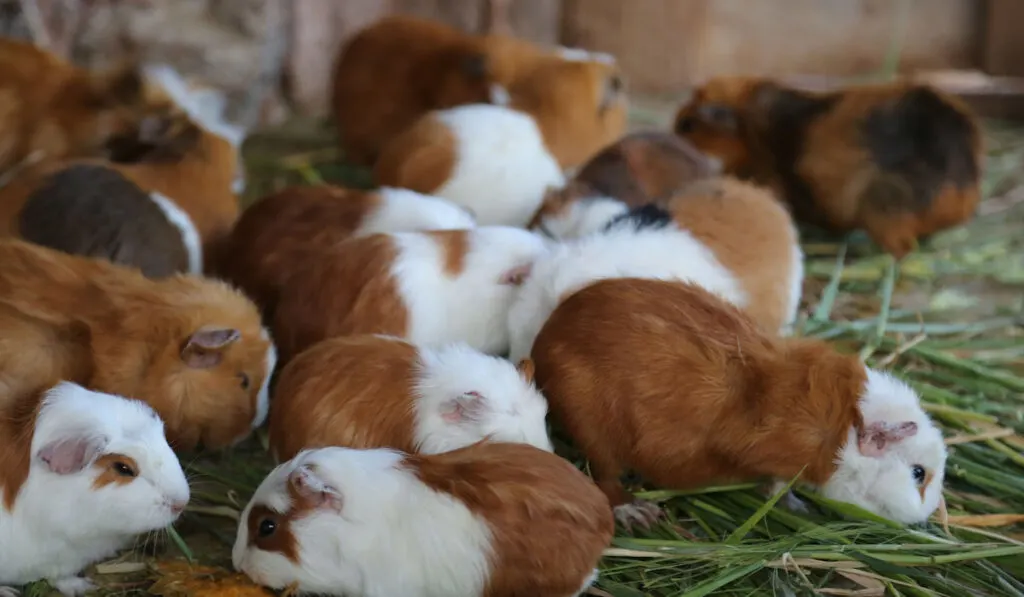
x=429, y=288
x=275, y=232
x=489, y=159
x=730, y=237
x=374, y=391
x=487, y=520
x=93, y=210
x=192, y=348
x=82, y=474
x=901, y=161
x=721, y=400
x=637, y=169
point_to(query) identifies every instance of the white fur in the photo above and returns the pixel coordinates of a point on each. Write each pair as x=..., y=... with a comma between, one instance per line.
x=471, y=307
x=581, y=55
x=511, y=408
x=189, y=235
x=394, y=535
x=665, y=253
x=885, y=484
x=502, y=167
x=59, y=523
x=500, y=95
x=402, y=210
x=263, y=397
x=582, y=217
x=796, y=288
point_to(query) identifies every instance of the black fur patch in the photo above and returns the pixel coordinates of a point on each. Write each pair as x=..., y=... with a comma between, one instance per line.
x=650, y=216
x=924, y=142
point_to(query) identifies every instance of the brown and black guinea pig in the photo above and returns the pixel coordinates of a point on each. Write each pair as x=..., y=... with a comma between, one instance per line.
x=900, y=160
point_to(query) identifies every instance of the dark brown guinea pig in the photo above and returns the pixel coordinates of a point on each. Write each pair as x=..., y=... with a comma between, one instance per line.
x=900, y=160
x=92, y=210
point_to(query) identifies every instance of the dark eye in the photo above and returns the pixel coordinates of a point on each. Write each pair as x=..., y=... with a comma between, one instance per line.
x=267, y=527
x=244, y=380
x=918, y=471
x=124, y=470
x=685, y=125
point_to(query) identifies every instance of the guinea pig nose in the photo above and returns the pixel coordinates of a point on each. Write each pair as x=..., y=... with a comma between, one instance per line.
x=177, y=507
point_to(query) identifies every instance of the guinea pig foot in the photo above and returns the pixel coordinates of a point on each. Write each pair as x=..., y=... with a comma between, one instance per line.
x=791, y=502
x=74, y=586
x=9, y=592
x=639, y=512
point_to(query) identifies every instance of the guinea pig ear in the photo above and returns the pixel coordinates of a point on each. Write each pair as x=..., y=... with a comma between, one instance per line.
x=517, y=275
x=205, y=347
x=874, y=439
x=72, y=454
x=312, y=490
x=719, y=116
x=526, y=369
x=467, y=407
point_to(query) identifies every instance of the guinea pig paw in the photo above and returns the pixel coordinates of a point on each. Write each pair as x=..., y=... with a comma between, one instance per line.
x=639, y=512
x=74, y=586
x=9, y=592
x=791, y=502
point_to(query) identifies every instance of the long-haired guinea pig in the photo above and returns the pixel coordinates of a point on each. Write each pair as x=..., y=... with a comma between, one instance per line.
x=53, y=110
x=730, y=237
x=489, y=159
x=191, y=347
x=488, y=520
x=902, y=161
x=82, y=473
x=95, y=211
x=274, y=233
x=374, y=391
x=640, y=168
x=429, y=288
x=722, y=400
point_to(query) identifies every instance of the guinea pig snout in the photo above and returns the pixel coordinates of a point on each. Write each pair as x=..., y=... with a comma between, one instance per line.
x=176, y=505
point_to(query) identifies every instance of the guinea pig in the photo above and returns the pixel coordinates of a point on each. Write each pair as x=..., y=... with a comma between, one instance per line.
x=430, y=288
x=375, y=391
x=93, y=210
x=487, y=520
x=901, y=161
x=730, y=237
x=276, y=231
x=82, y=474
x=53, y=110
x=722, y=400
x=640, y=168
x=452, y=154
x=192, y=348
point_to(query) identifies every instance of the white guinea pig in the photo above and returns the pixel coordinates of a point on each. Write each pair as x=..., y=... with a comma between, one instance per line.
x=487, y=520
x=489, y=159
x=83, y=473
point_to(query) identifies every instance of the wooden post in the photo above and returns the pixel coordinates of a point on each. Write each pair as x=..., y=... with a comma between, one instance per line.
x=1003, y=53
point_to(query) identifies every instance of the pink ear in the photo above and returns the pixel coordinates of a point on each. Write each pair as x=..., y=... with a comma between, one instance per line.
x=71, y=455
x=468, y=406
x=311, y=488
x=517, y=275
x=205, y=346
x=876, y=438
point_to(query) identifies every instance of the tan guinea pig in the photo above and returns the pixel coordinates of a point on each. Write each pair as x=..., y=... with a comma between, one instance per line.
x=272, y=234
x=431, y=287
x=375, y=391
x=488, y=520
x=721, y=400
x=192, y=348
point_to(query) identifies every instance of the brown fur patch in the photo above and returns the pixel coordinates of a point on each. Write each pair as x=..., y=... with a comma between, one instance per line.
x=282, y=541
x=110, y=475
x=455, y=246
x=535, y=503
x=751, y=234
x=277, y=231
x=422, y=158
x=557, y=201
x=348, y=290
x=355, y=392
x=115, y=331
x=720, y=400
x=17, y=427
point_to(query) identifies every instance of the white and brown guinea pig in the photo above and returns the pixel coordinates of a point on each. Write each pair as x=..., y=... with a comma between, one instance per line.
x=374, y=391
x=640, y=168
x=487, y=158
x=276, y=232
x=488, y=520
x=721, y=400
x=730, y=237
x=82, y=473
x=430, y=288
x=93, y=210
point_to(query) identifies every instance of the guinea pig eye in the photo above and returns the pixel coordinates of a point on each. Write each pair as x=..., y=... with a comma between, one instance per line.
x=124, y=470
x=918, y=471
x=686, y=125
x=267, y=527
x=244, y=380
